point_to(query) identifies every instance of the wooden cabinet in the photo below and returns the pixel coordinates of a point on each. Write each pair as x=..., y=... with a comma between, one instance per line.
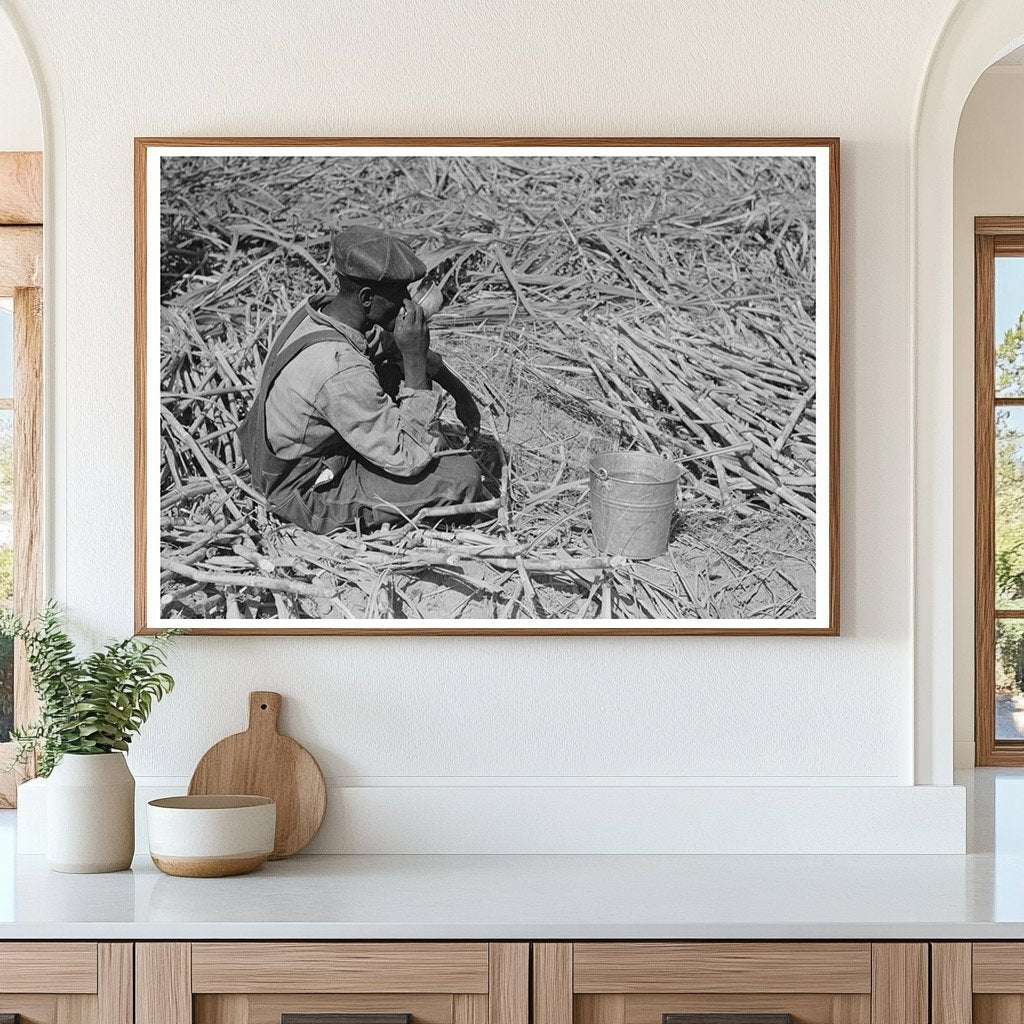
x=264, y=982
x=66, y=982
x=494, y=983
x=758, y=982
x=978, y=983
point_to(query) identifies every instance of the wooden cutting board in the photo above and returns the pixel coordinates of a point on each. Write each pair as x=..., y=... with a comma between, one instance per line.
x=262, y=762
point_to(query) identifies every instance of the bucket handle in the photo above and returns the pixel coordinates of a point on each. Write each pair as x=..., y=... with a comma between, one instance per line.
x=602, y=473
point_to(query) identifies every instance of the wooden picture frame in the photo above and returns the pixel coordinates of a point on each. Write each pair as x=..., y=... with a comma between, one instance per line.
x=823, y=393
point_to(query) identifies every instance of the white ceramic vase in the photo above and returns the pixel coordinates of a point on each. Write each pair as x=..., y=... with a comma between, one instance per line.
x=90, y=814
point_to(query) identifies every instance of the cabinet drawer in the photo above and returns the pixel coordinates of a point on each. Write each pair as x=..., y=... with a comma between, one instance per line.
x=634, y=967
x=998, y=967
x=332, y=983
x=66, y=982
x=981, y=982
x=340, y=967
x=730, y=983
x=66, y=967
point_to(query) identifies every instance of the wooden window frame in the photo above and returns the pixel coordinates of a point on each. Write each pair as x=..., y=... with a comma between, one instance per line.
x=993, y=236
x=21, y=278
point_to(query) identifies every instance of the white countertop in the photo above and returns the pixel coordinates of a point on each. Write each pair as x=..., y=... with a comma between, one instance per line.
x=977, y=896
x=497, y=897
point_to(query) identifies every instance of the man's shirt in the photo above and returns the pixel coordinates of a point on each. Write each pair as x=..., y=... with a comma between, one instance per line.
x=332, y=389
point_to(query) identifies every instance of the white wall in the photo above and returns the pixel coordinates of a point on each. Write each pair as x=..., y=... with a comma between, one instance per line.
x=20, y=124
x=987, y=182
x=465, y=711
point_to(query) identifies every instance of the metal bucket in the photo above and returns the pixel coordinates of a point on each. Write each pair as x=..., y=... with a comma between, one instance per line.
x=632, y=498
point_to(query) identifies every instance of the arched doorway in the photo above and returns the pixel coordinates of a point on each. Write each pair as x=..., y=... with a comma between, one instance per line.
x=976, y=34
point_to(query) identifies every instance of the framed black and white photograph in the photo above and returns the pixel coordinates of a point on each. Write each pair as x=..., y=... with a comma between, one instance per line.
x=502, y=386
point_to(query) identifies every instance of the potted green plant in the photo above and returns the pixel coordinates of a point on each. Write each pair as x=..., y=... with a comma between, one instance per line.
x=90, y=708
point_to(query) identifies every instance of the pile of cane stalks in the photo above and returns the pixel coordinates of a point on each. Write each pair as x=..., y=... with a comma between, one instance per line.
x=591, y=304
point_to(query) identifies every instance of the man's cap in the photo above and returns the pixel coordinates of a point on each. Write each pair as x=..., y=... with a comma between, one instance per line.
x=372, y=254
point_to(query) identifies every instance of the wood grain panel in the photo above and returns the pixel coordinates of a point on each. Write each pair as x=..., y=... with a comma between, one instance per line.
x=633, y=967
x=595, y=1009
x=339, y=967
x=21, y=188
x=951, y=983
x=984, y=502
x=805, y=1008
x=851, y=1009
x=32, y=1009
x=552, y=983
x=228, y=1009
x=28, y=482
x=115, y=983
x=1010, y=245
x=65, y=967
x=998, y=1009
x=267, y=1009
x=163, y=983
x=998, y=225
x=76, y=1009
x=28, y=490
x=140, y=385
x=508, y=991
x=21, y=259
x=998, y=967
x=469, y=1009
x=899, y=989
x=834, y=391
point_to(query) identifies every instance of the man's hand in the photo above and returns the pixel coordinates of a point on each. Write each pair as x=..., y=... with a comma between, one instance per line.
x=435, y=364
x=412, y=340
x=411, y=334
x=469, y=415
x=465, y=405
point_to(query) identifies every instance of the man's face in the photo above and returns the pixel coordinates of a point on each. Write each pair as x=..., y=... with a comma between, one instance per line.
x=385, y=304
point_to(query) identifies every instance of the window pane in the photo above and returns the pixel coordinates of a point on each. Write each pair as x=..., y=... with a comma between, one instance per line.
x=1009, y=679
x=1009, y=324
x=6, y=567
x=6, y=353
x=1009, y=532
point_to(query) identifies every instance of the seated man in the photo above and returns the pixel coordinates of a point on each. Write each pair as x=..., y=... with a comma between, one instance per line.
x=325, y=440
